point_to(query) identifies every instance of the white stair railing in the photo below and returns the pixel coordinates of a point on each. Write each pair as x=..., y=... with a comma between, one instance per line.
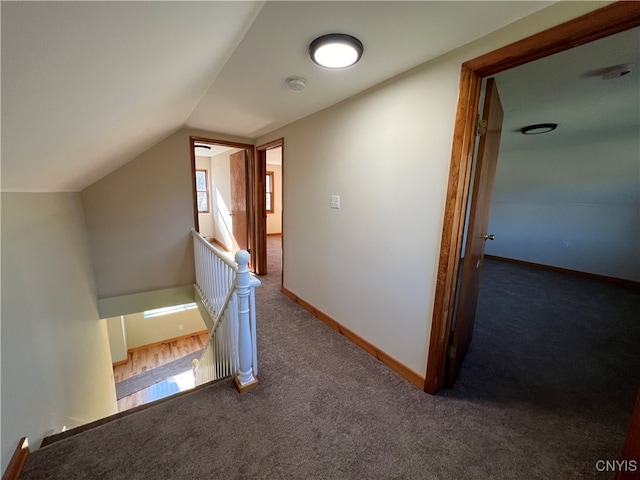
x=227, y=291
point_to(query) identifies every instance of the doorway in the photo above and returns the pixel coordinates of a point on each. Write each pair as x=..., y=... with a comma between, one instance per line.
x=223, y=205
x=601, y=23
x=270, y=203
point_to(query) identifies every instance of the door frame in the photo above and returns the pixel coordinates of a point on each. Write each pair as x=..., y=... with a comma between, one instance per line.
x=609, y=20
x=250, y=162
x=261, y=208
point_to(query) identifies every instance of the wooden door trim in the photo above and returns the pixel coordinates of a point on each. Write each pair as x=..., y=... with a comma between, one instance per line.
x=600, y=23
x=261, y=210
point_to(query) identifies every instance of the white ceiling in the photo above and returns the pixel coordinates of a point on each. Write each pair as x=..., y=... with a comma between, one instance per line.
x=88, y=86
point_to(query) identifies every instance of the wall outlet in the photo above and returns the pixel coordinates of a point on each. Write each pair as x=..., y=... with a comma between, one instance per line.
x=565, y=244
x=335, y=201
x=180, y=327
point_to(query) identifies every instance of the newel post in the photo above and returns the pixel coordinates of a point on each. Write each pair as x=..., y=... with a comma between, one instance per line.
x=245, y=379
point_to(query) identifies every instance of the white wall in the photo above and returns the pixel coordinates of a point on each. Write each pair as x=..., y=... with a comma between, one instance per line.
x=274, y=220
x=574, y=206
x=56, y=365
x=371, y=265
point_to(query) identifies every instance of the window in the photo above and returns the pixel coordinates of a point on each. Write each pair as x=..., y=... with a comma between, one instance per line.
x=202, y=191
x=269, y=201
x=158, y=312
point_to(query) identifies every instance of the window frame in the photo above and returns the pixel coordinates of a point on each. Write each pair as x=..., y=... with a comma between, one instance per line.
x=270, y=197
x=205, y=191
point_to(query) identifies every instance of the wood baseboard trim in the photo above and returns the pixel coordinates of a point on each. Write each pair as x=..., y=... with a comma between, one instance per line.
x=618, y=281
x=168, y=340
x=18, y=459
x=401, y=369
x=121, y=362
x=273, y=234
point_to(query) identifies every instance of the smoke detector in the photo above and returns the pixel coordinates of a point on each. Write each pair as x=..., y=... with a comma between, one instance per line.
x=296, y=82
x=616, y=71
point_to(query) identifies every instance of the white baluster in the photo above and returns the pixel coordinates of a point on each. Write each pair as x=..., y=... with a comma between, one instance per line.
x=245, y=378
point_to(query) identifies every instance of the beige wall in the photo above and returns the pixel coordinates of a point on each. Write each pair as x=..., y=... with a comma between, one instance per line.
x=274, y=220
x=56, y=365
x=371, y=265
x=139, y=220
x=145, y=331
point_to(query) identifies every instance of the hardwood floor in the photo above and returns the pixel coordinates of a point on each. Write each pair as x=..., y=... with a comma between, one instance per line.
x=145, y=359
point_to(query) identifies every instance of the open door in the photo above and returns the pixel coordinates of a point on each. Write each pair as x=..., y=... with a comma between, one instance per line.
x=260, y=203
x=469, y=285
x=238, y=169
x=611, y=19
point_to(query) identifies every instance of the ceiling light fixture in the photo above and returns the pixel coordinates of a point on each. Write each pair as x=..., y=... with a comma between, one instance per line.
x=539, y=128
x=616, y=71
x=336, y=50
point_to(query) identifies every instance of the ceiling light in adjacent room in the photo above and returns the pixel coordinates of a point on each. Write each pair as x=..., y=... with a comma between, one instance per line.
x=616, y=71
x=336, y=50
x=539, y=128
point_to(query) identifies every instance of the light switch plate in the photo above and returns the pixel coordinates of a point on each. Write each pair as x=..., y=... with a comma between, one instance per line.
x=335, y=201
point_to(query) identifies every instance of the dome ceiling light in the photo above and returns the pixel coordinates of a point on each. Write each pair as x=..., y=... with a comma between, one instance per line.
x=336, y=50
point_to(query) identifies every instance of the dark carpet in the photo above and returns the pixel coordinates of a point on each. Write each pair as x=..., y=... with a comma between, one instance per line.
x=547, y=389
x=149, y=378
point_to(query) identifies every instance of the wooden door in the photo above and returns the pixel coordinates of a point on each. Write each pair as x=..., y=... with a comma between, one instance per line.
x=238, y=168
x=469, y=285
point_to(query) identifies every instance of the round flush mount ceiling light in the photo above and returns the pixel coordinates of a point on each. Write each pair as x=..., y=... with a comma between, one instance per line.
x=539, y=128
x=336, y=50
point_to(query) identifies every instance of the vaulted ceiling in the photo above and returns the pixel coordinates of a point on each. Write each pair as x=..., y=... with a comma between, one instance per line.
x=88, y=86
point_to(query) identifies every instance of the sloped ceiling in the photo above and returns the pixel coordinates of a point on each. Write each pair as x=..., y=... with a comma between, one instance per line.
x=87, y=86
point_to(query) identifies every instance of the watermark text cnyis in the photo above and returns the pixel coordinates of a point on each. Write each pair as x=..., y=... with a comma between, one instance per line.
x=617, y=466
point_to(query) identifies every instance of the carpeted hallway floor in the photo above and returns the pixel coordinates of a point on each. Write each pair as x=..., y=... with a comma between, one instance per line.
x=532, y=401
